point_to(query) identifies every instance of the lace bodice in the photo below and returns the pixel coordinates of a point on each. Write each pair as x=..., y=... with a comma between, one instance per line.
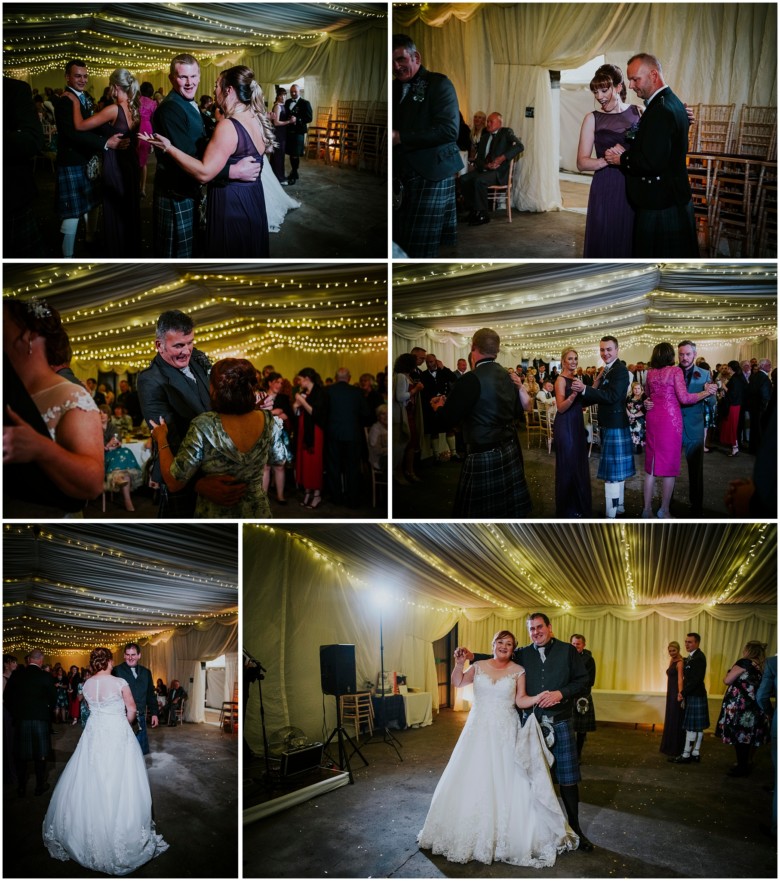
x=494, y=692
x=104, y=695
x=54, y=402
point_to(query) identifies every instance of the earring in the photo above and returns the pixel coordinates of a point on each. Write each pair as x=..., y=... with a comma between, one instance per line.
x=29, y=347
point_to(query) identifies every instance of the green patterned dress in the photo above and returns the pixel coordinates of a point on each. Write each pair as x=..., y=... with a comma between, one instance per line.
x=209, y=448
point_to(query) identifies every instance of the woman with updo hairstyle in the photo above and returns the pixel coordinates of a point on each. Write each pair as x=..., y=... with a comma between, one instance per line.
x=232, y=440
x=275, y=402
x=236, y=222
x=121, y=174
x=572, y=474
x=673, y=739
x=106, y=770
x=312, y=407
x=666, y=392
x=609, y=228
x=52, y=431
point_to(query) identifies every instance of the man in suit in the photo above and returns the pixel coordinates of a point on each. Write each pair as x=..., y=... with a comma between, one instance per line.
x=436, y=380
x=584, y=716
x=694, y=694
x=299, y=111
x=425, y=153
x=177, y=195
x=461, y=371
x=759, y=394
x=654, y=165
x=497, y=147
x=31, y=697
x=693, y=424
x=486, y=403
x=609, y=390
x=175, y=387
x=554, y=671
x=176, y=696
x=77, y=195
x=766, y=691
x=140, y=681
x=348, y=414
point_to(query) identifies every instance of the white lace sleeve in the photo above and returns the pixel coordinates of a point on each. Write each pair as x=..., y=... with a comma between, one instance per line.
x=54, y=402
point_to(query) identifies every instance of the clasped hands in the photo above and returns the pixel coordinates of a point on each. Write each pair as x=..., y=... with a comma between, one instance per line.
x=612, y=156
x=438, y=401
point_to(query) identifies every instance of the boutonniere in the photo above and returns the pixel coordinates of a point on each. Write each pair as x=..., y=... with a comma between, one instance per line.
x=696, y=374
x=631, y=132
x=418, y=90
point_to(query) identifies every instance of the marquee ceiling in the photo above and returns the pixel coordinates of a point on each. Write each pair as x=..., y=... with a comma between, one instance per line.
x=40, y=37
x=74, y=586
x=544, y=306
x=249, y=310
x=557, y=565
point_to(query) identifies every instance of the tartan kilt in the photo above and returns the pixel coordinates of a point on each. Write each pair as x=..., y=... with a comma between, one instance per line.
x=175, y=226
x=427, y=217
x=32, y=739
x=294, y=145
x=584, y=722
x=697, y=714
x=76, y=193
x=666, y=232
x=617, y=455
x=492, y=484
x=566, y=768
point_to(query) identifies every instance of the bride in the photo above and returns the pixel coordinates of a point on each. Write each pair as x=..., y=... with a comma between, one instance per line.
x=504, y=767
x=107, y=770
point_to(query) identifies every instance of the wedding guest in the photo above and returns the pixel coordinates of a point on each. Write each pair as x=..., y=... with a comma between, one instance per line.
x=377, y=440
x=277, y=403
x=635, y=408
x=281, y=121
x=312, y=407
x=731, y=406
x=673, y=739
x=572, y=473
x=146, y=108
x=406, y=418
x=584, y=712
x=300, y=115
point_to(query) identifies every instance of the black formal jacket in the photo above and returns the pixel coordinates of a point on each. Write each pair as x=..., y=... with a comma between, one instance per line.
x=654, y=163
x=694, y=670
x=75, y=147
x=505, y=143
x=22, y=139
x=347, y=413
x=610, y=396
x=31, y=694
x=427, y=121
x=302, y=113
x=165, y=391
x=142, y=688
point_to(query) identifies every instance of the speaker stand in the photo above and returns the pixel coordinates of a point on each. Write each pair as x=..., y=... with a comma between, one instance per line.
x=387, y=736
x=341, y=735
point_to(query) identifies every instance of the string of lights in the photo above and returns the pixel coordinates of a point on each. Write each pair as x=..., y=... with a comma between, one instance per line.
x=761, y=532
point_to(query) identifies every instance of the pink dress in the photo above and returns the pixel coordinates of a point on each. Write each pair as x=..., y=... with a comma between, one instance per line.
x=667, y=390
x=146, y=108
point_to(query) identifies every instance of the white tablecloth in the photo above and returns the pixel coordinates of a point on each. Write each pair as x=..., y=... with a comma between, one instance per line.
x=645, y=708
x=418, y=708
x=140, y=451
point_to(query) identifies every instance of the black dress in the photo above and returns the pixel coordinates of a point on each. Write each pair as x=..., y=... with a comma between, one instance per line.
x=237, y=225
x=572, y=475
x=121, y=194
x=673, y=739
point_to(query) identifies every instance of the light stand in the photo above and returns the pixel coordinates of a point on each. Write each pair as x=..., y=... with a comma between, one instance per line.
x=253, y=671
x=387, y=737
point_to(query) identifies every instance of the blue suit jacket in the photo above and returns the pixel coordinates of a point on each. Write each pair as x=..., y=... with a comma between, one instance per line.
x=693, y=414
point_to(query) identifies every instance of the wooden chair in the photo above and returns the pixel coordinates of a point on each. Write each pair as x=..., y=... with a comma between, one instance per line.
x=533, y=425
x=714, y=128
x=228, y=717
x=378, y=478
x=500, y=195
x=765, y=215
x=358, y=709
x=547, y=413
x=593, y=421
x=317, y=135
x=178, y=712
x=757, y=134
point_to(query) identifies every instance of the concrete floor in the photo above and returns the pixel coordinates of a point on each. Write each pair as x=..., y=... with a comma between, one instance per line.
x=434, y=497
x=647, y=818
x=343, y=215
x=193, y=774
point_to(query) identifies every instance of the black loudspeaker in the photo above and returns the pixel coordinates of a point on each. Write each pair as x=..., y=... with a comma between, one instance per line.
x=337, y=668
x=296, y=761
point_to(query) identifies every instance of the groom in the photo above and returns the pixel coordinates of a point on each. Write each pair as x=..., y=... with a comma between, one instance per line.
x=140, y=681
x=654, y=165
x=555, y=672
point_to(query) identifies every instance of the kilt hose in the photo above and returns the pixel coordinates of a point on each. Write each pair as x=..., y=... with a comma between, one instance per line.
x=492, y=484
x=175, y=226
x=427, y=217
x=617, y=455
x=76, y=193
x=665, y=232
x=697, y=714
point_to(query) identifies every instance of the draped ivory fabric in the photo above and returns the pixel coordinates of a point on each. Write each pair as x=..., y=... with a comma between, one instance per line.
x=499, y=55
x=538, y=309
x=307, y=586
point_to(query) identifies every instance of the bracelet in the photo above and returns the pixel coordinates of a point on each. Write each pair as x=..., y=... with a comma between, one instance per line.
x=166, y=447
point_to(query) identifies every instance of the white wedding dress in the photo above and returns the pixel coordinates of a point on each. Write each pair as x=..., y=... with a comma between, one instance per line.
x=495, y=799
x=100, y=814
x=277, y=201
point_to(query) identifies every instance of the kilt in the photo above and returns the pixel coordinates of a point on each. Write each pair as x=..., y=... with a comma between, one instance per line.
x=294, y=145
x=175, y=226
x=76, y=193
x=492, y=484
x=697, y=714
x=584, y=722
x=617, y=455
x=427, y=217
x=666, y=232
x=566, y=768
x=32, y=739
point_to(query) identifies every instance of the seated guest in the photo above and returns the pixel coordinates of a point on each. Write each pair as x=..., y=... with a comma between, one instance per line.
x=377, y=440
x=545, y=395
x=129, y=400
x=122, y=470
x=176, y=697
x=370, y=393
x=232, y=439
x=121, y=423
x=497, y=147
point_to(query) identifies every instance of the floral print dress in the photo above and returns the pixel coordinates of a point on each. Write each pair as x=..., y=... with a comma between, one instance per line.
x=741, y=719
